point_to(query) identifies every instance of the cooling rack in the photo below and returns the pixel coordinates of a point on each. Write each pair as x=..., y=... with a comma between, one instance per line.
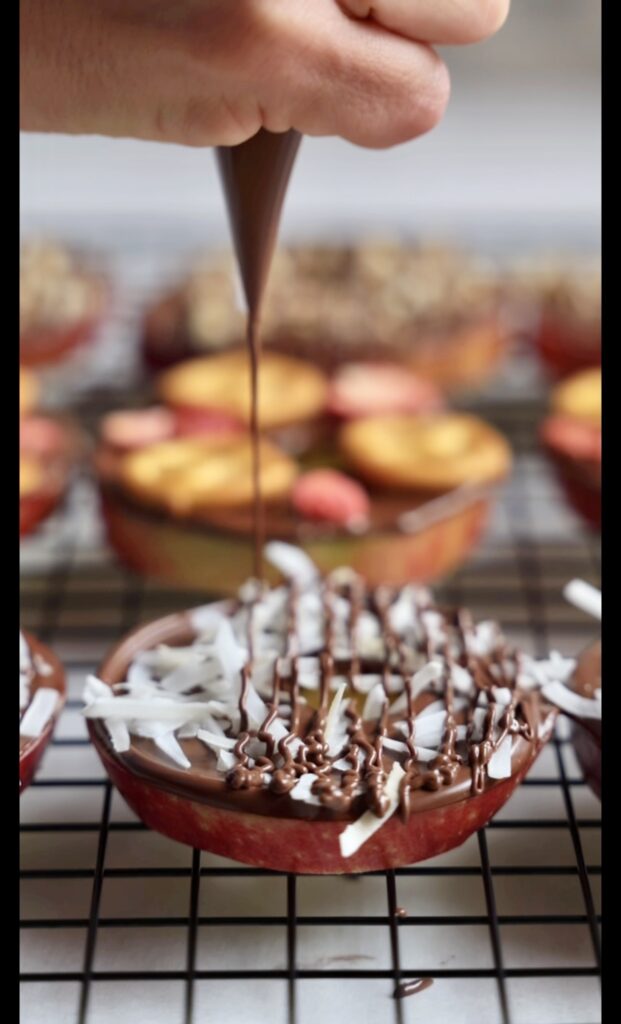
x=117, y=920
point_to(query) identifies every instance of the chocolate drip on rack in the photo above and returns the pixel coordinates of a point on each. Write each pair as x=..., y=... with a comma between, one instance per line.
x=411, y=988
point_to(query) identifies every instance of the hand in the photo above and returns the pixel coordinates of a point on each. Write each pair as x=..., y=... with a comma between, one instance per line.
x=209, y=72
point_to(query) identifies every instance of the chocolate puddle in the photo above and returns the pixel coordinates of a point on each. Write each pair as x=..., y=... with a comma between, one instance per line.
x=410, y=988
x=255, y=176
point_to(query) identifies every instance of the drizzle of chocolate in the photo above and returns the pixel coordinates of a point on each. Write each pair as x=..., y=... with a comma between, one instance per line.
x=279, y=767
x=255, y=176
x=411, y=988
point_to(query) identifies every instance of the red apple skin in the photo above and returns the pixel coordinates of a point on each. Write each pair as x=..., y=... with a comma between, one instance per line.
x=301, y=846
x=192, y=421
x=588, y=750
x=565, y=348
x=289, y=843
x=32, y=751
x=34, y=508
x=52, y=345
x=584, y=495
x=587, y=501
x=32, y=754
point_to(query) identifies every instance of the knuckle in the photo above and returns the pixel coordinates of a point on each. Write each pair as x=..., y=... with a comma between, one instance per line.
x=433, y=99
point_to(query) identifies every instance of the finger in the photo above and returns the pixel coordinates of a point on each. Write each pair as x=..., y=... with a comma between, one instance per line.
x=444, y=22
x=367, y=85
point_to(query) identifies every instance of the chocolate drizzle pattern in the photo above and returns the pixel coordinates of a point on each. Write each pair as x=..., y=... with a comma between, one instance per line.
x=361, y=748
x=338, y=683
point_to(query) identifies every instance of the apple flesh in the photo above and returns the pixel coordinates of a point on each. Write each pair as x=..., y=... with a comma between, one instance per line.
x=202, y=557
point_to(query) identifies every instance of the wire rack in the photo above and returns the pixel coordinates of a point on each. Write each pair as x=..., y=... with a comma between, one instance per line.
x=118, y=920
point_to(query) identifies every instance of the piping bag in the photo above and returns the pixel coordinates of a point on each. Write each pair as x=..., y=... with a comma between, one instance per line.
x=254, y=177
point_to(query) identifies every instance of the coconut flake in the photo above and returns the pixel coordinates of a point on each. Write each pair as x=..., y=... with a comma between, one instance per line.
x=397, y=745
x=484, y=638
x=435, y=627
x=425, y=753
x=499, y=765
x=42, y=667
x=462, y=679
x=431, y=709
x=39, y=712
x=206, y=619
x=169, y=746
x=302, y=789
x=308, y=672
x=25, y=670
x=292, y=562
x=429, y=730
x=571, y=702
x=119, y=734
x=188, y=731
x=24, y=653
x=359, y=832
x=332, y=718
x=182, y=679
x=585, y=597
x=430, y=672
x=229, y=653
x=226, y=761
x=502, y=695
x=215, y=741
x=95, y=688
x=374, y=703
x=158, y=709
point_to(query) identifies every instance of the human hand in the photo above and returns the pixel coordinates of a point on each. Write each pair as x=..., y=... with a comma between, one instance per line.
x=212, y=72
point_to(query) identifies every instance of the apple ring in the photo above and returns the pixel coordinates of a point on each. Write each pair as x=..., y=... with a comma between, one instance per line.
x=186, y=475
x=290, y=390
x=28, y=392
x=438, y=452
x=580, y=396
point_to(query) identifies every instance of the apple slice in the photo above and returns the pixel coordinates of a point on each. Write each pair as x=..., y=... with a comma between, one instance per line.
x=49, y=675
x=370, y=389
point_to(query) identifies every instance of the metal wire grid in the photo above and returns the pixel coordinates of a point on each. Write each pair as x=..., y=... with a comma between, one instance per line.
x=78, y=601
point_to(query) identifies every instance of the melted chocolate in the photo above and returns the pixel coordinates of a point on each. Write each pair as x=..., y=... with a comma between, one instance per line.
x=410, y=988
x=255, y=176
x=264, y=775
